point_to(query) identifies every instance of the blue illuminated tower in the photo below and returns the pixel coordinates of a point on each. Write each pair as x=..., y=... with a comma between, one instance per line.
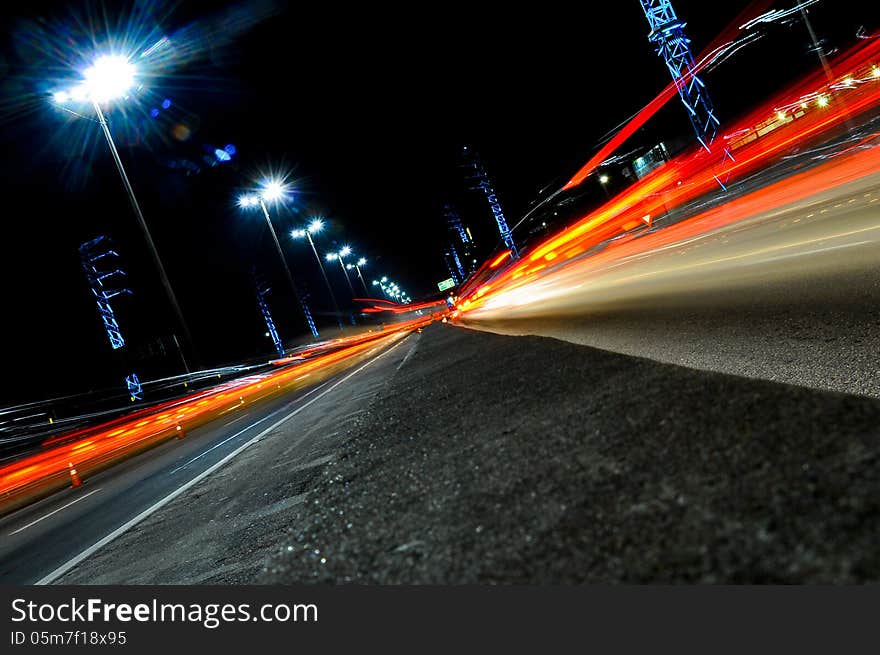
x=460, y=236
x=96, y=258
x=262, y=290
x=456, y=276
x=667, y=34
x=454, y=253
x=481, y=177
x=308, y=313
x=453, y=222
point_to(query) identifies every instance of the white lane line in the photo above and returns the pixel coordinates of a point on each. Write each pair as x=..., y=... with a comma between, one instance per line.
x=55, y=511
x=240, y=432
x=64, y=568
x=406, y=357
x=235, y=420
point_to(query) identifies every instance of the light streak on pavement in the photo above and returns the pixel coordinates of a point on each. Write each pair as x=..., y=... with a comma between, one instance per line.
x=50, y=535
x=765, y=136
x=70, y=458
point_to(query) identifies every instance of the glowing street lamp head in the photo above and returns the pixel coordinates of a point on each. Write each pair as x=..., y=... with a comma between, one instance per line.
x=316, y=225
x=345, y=252
x=331, y=256
x=603, y=179
x=272, y=190
x=349, y=266
x=79, y=93
x=111, y=76
x=298, y=234
x=247, y=200
x=384, y=279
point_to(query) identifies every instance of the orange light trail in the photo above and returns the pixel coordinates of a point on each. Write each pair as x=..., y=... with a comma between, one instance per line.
x=497, y=261
x=671, y=90
x=95, y=448
x=758, y=139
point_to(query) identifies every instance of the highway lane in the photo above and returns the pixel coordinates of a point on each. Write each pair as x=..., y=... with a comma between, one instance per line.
x=791, y=295
x=42, y=537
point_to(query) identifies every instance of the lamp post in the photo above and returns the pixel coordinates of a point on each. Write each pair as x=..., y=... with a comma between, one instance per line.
x=391, y=290
x=357, y=266
x=376, y=283
x=108, y=78
x=603, y=181
x=341, y=257
x=316, y=226
x=272, y=190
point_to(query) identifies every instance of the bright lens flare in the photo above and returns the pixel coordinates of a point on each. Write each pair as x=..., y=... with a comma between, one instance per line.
x=316, y=226
x=345, y=252
x=272, y=190
x=111, y=76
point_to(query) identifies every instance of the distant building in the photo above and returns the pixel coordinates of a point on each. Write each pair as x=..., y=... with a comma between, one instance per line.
x=648, y=161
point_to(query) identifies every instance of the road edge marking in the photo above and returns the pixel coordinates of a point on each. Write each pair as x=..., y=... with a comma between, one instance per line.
x=243, y=430
x=125, y=527
x=54, y=511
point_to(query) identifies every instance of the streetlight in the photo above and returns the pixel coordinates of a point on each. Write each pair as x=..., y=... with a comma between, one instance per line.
x=341, y=255
x=376, y=283
x=357, y=266
x=603, y=180
x=108, y=78
x=273, y=190
x=314, y=227
x=391, y=290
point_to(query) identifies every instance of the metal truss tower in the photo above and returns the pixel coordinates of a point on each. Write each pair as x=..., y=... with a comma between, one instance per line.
x=456, y=275
x=453, y=222
x=308, y=313
x=101, y=273
x=482, y=182
x=462, y=237
x=454, y=253
x=667, y=34
x=262, y=290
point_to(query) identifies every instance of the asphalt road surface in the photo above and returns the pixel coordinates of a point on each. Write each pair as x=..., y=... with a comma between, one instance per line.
x=41, y=539
x=790, y=295
x=467, y=457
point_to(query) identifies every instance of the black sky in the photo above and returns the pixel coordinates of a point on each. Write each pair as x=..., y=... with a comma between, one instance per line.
x=366, y=108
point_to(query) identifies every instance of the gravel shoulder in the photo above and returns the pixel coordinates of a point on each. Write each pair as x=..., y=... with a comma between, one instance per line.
x=491, y=459
x=470, y=457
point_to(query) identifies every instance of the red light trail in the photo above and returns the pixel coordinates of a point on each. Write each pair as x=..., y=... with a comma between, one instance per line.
x=89, y=450
x=804, y=114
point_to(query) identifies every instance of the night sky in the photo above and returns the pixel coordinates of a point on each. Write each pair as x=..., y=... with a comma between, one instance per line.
x=365, y=109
